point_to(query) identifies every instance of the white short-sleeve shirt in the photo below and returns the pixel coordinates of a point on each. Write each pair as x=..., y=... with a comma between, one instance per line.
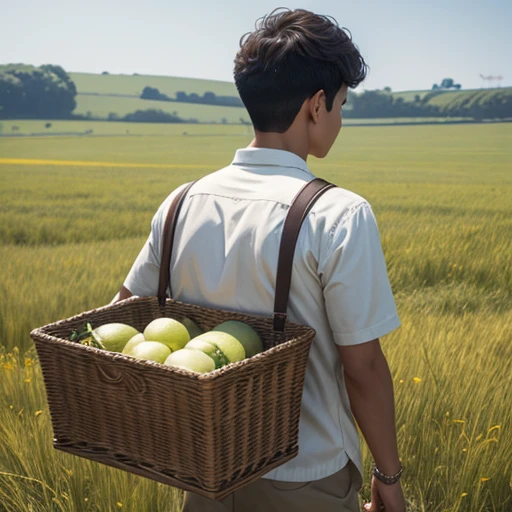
x=225, y=255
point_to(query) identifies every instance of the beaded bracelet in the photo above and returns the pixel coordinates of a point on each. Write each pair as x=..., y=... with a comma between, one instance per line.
x=388, y=480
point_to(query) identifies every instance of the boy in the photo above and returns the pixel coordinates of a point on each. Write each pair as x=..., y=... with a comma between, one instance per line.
x=292, y=74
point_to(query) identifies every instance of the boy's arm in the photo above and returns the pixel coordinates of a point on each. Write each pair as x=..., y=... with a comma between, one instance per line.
x=122, y=294
x=370, y=390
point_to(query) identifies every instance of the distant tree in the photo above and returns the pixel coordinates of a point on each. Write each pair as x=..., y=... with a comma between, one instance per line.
x=105, y=73
x=194, y=98
x=150, y=93
x=15, y=128
x=59, y=71
x=88, y=114
x=224, y=120
x=229, y=101
x=113, y=116
x=447, y=83
x=152, y=116
x=387, y=89
x=417, y=98
x=30, y=92
x=48, y=125
x=209, y=97
x=181, y=96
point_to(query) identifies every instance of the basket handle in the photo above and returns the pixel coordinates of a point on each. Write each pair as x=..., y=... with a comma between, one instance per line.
x=300, y=207
x=167, y=243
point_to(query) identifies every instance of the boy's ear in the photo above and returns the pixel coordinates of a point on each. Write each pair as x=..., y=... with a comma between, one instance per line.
x=316, y=102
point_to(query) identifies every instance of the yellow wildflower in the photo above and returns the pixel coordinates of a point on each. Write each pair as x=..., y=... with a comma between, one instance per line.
x=37, y=413
x=417, y=380
x=29, y=362
x=483, y=479
x=459, y=421
x=463, y=494
x=401, y=381
x=478, y=437
x=8, y=366
x=119, y=504
x=27, y=380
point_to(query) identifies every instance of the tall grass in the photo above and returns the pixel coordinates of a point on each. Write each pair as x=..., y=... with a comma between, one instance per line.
x=443, y=200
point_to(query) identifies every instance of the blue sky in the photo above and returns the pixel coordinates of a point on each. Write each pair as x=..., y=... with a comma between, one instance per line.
x=409, y=45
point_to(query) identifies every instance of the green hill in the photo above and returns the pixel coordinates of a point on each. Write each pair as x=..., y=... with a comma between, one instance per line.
x=133, y=84
x=100, y=95
x=453, y=98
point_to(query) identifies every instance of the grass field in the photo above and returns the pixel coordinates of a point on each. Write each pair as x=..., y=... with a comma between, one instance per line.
x=443, y=200
x=61, y=128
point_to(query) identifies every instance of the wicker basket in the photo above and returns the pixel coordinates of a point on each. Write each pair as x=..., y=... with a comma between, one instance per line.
x=208, y=433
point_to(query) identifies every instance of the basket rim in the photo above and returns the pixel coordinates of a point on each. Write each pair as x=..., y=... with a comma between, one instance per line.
x=40, y=333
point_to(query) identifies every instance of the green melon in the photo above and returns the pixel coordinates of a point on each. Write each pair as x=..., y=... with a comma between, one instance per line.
x=151, y=351
x=244, y=333
x=114, y=336
x=209, y=349
x=168, y=331
x=230, y=347
x=192, y=360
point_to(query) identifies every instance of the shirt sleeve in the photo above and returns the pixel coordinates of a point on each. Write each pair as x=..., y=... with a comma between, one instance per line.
x=142, y=280
x=358, y=297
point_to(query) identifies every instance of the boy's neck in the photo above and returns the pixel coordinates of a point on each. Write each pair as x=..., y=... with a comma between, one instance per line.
x=285, y=141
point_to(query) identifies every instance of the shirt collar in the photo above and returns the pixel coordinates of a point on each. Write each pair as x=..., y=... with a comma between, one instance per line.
x=266, y=157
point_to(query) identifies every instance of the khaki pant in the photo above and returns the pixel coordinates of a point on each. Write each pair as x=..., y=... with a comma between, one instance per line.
x=335, y=493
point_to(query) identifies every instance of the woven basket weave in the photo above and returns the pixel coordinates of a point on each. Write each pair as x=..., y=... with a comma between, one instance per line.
x=207, y=433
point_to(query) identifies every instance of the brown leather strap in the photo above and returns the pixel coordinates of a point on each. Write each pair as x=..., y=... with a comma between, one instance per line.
x=298, y=211
x=167, y=244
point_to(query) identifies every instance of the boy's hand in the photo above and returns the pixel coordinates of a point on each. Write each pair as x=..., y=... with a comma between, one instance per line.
x=389, y=498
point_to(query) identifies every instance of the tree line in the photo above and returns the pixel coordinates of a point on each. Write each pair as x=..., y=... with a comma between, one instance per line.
x=47, y=92
x=478, y=105
x=208, y=98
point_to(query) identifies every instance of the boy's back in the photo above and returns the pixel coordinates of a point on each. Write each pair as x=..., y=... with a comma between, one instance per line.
x=225, y=256
x=292, y=74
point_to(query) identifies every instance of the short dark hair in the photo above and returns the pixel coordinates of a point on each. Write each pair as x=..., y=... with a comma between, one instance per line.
x=290, y=57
